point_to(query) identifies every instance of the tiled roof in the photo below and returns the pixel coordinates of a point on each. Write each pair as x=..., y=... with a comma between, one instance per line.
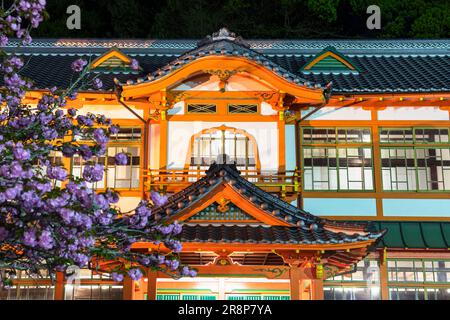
x=259, y=234
x=304, y=228
x=306, y=46
x=387, y=66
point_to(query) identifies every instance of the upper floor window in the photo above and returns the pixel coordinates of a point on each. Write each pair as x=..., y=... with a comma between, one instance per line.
x=127, y=140
x=415, y=159
x=433, y=271
x=237, y=144
x=337, y=159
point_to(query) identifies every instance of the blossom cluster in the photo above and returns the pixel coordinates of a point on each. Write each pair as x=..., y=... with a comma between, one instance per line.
x=50, y=219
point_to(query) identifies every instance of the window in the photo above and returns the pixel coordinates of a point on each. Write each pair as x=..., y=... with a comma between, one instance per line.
x=27, y=292
x=56, y=159
x=418, y=279
x=419, y=294
x=415, y=159
x=431, y=271
x=128, y=141
x=351, y=293
x=337, y=159
x=242, y=108
x=127, y=134
x=363, y=284
x=93, y=292
x=201, y=108
x=237, y=144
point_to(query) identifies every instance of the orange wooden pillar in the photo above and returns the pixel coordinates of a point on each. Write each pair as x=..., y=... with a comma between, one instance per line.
x=317, y=289
x=295, y=283
x=384, y=290
x=152, y=277
x=281, y=143
x=128, y=288
x=59, y=286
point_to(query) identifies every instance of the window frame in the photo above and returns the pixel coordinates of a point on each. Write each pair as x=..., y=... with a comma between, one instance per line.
x=414, y=146
x=117, y=143
x=337, y=145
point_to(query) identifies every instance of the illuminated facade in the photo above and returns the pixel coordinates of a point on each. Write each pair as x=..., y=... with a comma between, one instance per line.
x=249, y=138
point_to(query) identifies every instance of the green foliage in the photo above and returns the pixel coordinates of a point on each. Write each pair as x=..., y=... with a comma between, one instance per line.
x=249, y=18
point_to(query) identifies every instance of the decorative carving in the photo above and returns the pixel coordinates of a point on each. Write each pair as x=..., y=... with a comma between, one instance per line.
x=265, y=96
x=174, y=97
x=223, y=34
x=223, y=74
x=275, y=272
x=223, y=205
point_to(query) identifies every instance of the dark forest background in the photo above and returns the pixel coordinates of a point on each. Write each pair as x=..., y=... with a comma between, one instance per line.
x=248, y=18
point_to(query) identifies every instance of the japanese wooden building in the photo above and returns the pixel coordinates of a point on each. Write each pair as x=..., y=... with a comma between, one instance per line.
x=301, y=169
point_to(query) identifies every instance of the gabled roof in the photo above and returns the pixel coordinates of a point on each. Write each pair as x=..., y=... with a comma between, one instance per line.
x=281, y=222
x=224, y=43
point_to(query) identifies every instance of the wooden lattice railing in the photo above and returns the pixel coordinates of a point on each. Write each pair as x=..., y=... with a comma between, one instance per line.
x=173, y=180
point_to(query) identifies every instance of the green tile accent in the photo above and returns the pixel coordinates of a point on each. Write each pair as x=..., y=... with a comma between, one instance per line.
x=167, y=297
x=329, y=63
x=414, y=235
x=211, y=213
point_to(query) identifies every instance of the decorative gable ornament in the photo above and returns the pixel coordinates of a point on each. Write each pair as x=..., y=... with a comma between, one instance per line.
x=330, y=60
x=112, y=60
x=223, y=34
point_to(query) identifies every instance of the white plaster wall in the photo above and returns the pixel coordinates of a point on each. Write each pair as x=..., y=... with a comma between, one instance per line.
x=413, y=113
x=180, y=133
x=246, y=83
x=416, y=207
x=267, y=110
x=340, y=206
x=178, y=108
x=339, y=113
x=237, y=82
x=128, y=203
x=111, y=111
x=154, y=146
x=290, y=147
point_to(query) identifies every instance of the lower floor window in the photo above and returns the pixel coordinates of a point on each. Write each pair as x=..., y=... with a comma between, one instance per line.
x=27, y=292
x=93, y=292
x=351, y=293
x=422, y=293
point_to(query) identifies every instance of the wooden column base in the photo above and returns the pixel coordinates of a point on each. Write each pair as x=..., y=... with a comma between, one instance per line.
x=59, y=286
x=317, y=289
x=128, y=288
x=151, y=284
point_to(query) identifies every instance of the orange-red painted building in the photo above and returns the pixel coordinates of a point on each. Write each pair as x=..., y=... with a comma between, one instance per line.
x=301, y=169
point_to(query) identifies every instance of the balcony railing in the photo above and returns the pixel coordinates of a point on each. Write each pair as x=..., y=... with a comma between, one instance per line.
x=286, y=183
